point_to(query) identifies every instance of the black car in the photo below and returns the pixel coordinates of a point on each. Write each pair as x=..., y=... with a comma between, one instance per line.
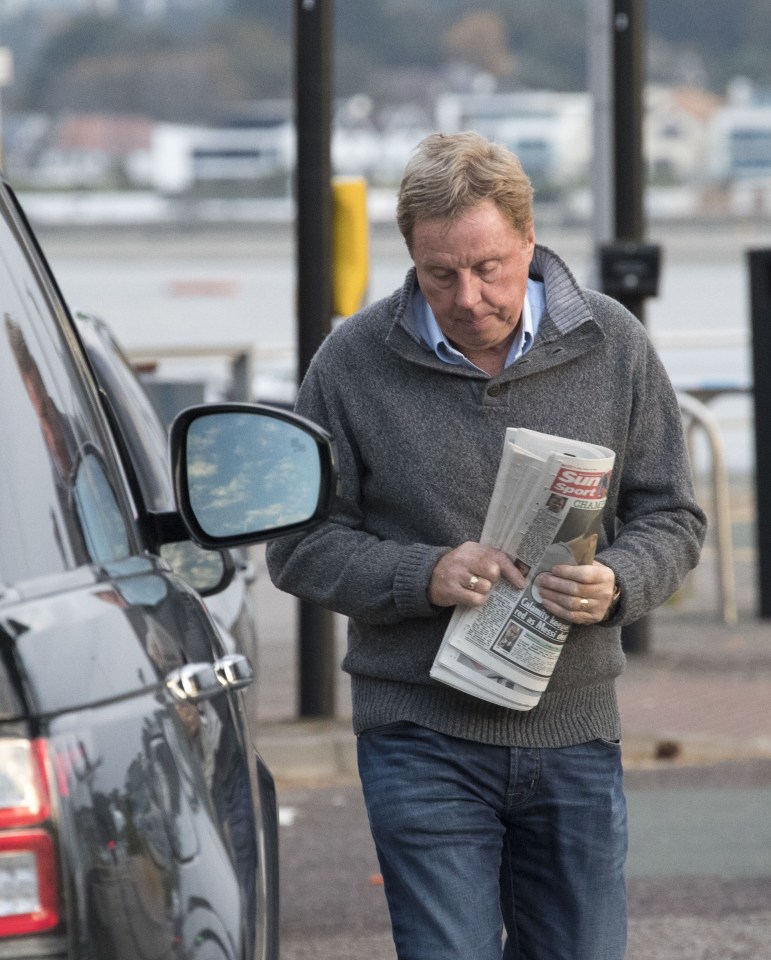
x=144, y=446
x=136, y=819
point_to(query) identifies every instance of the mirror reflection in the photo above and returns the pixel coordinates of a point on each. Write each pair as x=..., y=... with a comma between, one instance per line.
x=203, y=569
x=250, y=472
x=101, y=521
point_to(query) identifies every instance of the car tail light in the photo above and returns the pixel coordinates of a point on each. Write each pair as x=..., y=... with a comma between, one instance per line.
x=28, y=878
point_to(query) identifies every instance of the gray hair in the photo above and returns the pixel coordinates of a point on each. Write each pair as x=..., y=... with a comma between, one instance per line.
x=450, y=173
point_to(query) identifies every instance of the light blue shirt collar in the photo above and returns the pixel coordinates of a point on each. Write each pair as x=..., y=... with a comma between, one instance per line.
x=432, y=336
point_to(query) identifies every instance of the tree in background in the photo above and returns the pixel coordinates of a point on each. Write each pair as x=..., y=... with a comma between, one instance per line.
x=191, y=64
x=180, y=70
x=479, y=39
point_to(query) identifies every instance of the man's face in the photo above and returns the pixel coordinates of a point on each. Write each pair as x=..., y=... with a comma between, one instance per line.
x=473, y=273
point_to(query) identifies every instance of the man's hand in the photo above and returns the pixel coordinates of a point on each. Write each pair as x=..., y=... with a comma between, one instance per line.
x=580, y=594
x=468, y=573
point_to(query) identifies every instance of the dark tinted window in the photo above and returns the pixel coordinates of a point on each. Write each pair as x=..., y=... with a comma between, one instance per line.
x=58, y=504
x=139, y=423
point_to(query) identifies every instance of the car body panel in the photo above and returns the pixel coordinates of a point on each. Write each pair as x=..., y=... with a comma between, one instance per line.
x=80, y=645
x=155, y=806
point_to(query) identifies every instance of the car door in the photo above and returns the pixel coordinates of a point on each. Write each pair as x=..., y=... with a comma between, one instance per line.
x=144, y=838
x=144, y=453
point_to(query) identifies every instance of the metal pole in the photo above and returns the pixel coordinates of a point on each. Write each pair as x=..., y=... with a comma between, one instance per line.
x=599, y=42
x=629, y=80
x=313, y=72
x=628, y=83
x=760, y=309
x=313, y=36
x=700, y=415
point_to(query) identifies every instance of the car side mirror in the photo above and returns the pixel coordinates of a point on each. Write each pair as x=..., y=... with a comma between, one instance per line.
x=245, y=473
x=207, y=571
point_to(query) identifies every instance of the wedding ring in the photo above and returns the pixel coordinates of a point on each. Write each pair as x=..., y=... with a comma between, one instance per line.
x=472, y=582
x=584, y=603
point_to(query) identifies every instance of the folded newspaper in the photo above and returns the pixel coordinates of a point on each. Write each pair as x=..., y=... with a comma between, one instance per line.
x=546, y=508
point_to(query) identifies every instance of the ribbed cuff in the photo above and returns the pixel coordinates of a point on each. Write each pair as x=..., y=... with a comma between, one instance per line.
x=412, y=578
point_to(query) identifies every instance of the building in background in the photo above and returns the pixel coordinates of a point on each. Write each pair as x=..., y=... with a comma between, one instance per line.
x=81, y=151
x=677, y=133
x=254, y=145
x=740, y=149
x=704, y=155
x=550, y=132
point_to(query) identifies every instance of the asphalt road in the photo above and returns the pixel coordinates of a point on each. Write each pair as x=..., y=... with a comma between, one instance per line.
x=699, y=868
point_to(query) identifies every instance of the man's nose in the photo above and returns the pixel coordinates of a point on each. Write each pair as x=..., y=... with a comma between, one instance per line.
x=467, y=293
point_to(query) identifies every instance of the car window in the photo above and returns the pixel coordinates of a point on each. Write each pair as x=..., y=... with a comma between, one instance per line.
x=139, y=423
x=97, y=510
x=58, y=502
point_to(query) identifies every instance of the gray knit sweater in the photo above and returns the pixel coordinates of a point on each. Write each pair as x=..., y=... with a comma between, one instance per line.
x=419, y=442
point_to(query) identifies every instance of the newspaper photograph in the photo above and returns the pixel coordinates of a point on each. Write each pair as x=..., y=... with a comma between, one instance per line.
x=470, y=676
x=546, y=509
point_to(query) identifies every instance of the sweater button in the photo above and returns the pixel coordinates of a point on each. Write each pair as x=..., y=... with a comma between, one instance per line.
x=494, y=390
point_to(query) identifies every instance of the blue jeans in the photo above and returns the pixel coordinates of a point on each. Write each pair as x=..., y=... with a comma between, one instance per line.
x=473, y=839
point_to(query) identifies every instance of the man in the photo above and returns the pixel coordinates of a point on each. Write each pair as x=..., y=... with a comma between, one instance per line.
x=486, y=817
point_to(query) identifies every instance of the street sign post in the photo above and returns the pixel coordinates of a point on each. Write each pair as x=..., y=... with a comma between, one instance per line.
x=313, y=84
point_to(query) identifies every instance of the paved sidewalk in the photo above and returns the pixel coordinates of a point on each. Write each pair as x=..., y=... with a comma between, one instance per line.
x=700, y=693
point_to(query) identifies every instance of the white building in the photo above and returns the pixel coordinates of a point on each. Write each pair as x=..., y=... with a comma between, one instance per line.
x=741, y=136
x=677, y=133
x=380, y=156
x=550, y=132
x=256, y=144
